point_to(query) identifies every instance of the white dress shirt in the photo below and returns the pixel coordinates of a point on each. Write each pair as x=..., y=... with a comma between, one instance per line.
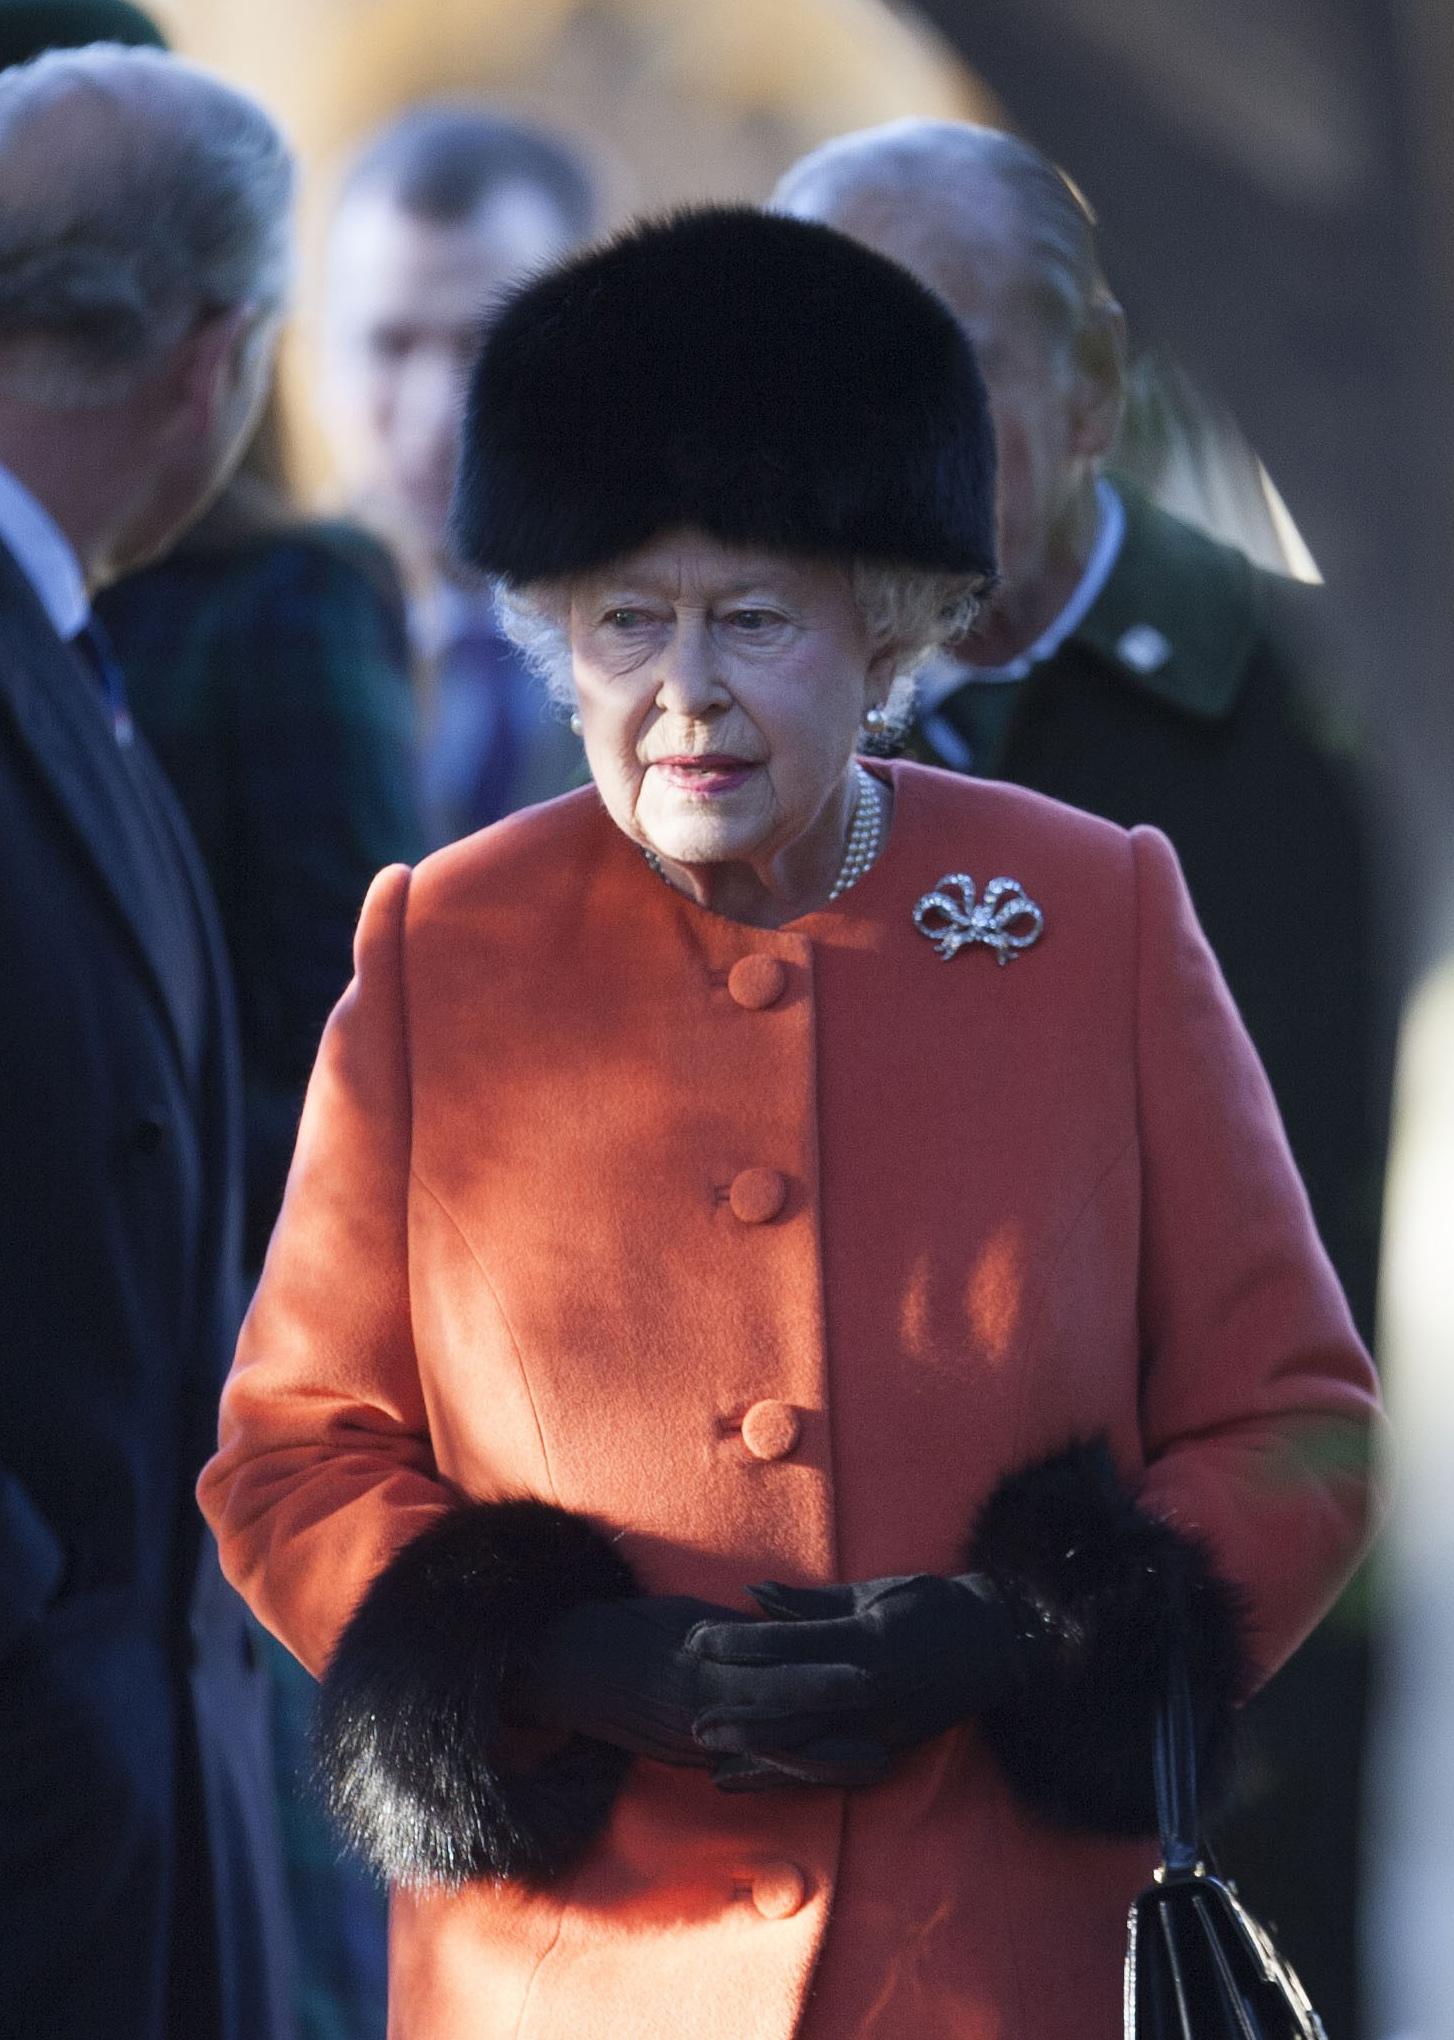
x=44, y=555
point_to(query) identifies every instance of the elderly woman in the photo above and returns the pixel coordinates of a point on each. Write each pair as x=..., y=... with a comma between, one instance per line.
x=792, y=1310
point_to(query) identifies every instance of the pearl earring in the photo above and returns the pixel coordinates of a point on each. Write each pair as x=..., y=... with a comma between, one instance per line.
x=875, y=720
x=575, y=725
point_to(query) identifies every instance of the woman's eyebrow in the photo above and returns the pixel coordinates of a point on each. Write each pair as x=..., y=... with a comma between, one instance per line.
x=758, y=586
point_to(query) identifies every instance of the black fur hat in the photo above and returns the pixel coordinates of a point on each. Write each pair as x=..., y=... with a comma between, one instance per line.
x=767, y=380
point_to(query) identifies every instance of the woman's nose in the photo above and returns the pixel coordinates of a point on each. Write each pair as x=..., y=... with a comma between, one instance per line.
x=689, y=681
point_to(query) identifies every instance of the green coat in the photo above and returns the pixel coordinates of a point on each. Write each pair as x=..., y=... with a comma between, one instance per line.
x=1180, y=701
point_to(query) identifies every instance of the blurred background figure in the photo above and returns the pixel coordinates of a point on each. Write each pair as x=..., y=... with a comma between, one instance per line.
x=267, y=661
x=268, y=664
x=1132, y=665
x=144, y=259
x=1129, y=664
x=440, y=213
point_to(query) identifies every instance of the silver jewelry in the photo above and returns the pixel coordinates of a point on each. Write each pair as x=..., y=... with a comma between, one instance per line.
x=575, y=724
x=865, y=834
x=953, y=922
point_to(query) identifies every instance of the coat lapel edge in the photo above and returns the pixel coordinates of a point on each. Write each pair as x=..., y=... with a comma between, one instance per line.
x=41, y=687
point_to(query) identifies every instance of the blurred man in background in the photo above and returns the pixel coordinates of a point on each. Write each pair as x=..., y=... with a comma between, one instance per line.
x=1133, y=666
x=144, y=258
x=442, y=212
x=268, y=666
x=1127, y=663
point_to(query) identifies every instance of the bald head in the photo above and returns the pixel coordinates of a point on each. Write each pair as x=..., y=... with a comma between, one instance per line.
x=991, y=225
x=948, y=200
x=141, y=194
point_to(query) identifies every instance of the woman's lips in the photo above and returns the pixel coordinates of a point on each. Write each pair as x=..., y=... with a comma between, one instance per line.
x=713, y=773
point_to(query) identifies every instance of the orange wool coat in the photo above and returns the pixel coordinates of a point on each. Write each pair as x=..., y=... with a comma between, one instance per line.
x=771, y=1252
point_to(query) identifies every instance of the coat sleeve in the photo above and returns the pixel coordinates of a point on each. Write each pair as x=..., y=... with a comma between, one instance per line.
x=324, y=1466
x=1222, y=1541
x=419, y=1607
x=1259, y=1406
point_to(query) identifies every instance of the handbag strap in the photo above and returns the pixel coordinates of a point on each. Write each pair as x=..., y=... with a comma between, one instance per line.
x=1175, y=1760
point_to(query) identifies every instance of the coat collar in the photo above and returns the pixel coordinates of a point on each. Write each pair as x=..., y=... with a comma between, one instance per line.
x=937, y=816
x=1180, y=614
x=65, y=727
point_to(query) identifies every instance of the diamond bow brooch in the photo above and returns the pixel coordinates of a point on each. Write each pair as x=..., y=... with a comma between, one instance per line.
x=1005, y=920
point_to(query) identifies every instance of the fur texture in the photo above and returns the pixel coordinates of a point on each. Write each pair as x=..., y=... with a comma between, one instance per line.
x=1105, y=1596
x=767, y=380
x=414, y=1723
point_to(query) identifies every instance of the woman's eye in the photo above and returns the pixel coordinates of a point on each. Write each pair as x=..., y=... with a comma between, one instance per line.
x=751, y=620
x=625, y=619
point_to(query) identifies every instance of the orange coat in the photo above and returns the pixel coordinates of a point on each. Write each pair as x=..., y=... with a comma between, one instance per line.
x=773, y=1273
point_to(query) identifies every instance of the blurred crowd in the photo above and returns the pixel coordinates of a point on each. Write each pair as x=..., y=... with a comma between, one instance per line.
x=324, y=697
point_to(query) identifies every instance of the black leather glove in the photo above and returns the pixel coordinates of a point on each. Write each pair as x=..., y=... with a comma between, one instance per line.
x=928, y=1652
x=622, y=1672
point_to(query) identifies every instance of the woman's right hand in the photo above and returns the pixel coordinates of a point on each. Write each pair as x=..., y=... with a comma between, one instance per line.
x=621, y=1672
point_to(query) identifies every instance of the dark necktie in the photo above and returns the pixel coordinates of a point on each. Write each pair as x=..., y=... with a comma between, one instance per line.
x=98, y=656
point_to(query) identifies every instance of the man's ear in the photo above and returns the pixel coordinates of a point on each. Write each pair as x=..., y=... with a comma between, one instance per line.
x=1100, y=394
x=205, y=365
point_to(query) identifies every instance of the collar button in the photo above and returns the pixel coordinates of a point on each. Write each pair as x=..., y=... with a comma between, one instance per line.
x=756, y=982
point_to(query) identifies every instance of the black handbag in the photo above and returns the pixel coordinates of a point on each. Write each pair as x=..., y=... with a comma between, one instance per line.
x=1198, y=1965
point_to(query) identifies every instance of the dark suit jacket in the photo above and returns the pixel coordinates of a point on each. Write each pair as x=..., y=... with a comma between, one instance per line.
x=271, y=677
x=1179, y=702
x=138, y=1880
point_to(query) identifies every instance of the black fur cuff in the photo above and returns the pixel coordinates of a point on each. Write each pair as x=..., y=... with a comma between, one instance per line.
x=416, y=1740
x=1105, y=1597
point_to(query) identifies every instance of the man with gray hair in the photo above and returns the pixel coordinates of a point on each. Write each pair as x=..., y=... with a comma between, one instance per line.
x=439, y=213
x=144, y=258
x=1131, y=665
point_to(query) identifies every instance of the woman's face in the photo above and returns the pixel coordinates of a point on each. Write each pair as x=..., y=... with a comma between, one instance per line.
x=720, y=693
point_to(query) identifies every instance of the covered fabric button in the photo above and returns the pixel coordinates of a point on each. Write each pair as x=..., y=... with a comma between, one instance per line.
x=756, y=981
x=770, y=1430
x=757, y=1195
x=778, y=1890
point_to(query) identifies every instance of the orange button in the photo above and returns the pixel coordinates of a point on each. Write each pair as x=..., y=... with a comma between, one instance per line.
x=756, y=981
x=778, y=1890
x=770, y=1430
x=758, y=1195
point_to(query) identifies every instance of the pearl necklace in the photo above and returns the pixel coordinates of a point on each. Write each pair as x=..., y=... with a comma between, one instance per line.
x=865, y=835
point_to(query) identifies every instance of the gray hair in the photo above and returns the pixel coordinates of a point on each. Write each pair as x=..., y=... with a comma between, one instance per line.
x=908, y=609
x=141, y=193
x=933, y=170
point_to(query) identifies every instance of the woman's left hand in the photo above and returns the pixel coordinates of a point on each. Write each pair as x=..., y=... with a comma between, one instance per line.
x=932, y=1651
